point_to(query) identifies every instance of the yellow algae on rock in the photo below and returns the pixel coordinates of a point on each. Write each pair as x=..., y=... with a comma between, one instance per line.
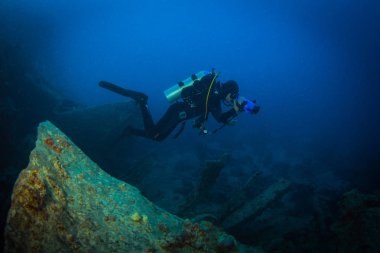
x=58, y=166
x=136, y=217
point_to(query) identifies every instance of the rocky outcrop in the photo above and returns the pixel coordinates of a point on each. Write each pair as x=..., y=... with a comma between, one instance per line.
x=357, y=226
x=254, y=207
x=64, y=202
x=210, y=173
x=100, y=131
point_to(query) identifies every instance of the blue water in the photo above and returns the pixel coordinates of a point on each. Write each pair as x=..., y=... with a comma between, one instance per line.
x=313, y=66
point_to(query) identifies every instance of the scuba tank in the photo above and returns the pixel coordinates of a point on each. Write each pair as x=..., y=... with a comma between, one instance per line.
x=173, y=93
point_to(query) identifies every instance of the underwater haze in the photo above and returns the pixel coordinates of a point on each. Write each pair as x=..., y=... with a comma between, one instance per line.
x=312, y=66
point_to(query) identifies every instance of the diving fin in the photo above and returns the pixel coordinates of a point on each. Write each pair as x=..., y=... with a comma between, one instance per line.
x=139, y=97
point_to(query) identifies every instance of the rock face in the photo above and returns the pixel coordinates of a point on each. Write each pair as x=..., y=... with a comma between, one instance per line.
x=63, y=202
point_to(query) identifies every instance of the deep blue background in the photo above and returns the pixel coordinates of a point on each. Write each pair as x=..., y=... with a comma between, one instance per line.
x=312, y=65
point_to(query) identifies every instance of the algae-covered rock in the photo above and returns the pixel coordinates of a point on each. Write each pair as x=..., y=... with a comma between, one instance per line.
x=63, y=202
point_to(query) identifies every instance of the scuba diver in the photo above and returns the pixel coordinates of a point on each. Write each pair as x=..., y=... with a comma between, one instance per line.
x=193, y=98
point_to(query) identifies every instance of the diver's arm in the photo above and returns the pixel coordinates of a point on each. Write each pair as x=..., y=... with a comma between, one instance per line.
x=223, y=117
x=227, y=116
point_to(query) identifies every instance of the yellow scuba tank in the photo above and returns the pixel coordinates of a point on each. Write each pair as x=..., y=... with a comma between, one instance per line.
x=173, y=93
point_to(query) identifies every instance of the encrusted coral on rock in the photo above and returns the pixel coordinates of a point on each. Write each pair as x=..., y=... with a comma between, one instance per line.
x=63, y=202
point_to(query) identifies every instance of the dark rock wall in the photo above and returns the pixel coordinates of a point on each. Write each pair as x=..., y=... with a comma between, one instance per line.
x=26, y=98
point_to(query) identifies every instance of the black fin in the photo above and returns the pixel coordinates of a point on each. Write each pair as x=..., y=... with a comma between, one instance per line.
x=139, y=97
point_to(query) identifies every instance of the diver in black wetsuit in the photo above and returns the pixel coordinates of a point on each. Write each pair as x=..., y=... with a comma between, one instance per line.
x=203, y=97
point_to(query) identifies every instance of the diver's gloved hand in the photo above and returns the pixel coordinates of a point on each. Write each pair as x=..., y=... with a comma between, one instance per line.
x=246, y=105
x=242, y=105
x=256, y=109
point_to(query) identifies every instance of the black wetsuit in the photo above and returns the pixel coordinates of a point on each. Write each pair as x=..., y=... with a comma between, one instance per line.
x=193, y=105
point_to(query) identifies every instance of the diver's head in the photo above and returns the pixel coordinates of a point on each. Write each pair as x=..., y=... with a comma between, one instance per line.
x=229, y=90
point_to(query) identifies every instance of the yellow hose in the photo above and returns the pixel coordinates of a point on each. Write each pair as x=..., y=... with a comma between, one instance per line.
x=208, y=93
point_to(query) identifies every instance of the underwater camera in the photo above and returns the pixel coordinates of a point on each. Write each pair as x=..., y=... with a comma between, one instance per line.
x=246, y=105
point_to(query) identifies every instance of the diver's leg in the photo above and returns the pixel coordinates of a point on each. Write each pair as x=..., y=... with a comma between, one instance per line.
x=163, y=128
x=147, y=117
x=148, y=124
x=142, y=100
x=175, y=114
